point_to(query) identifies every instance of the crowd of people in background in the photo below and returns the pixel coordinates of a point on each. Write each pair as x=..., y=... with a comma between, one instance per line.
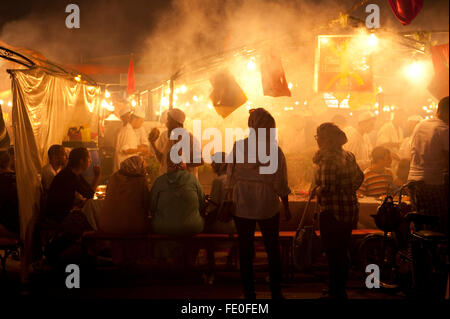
x=347, y=166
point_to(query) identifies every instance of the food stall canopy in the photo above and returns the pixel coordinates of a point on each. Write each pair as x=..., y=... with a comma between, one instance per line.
x=45, y=105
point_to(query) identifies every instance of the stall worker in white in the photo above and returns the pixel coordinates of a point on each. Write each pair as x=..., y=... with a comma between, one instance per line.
x=358, y=139
x=127, y=144
x=175, y=119
x=141, y=133
x=405, y=147
x=390, y=135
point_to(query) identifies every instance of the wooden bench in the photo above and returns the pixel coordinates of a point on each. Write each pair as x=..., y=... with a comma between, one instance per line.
x=203, y=240
x=209, y=242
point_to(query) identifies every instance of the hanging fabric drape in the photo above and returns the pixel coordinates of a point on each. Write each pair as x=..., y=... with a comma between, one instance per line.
x=439, y=84
x=44, y=107
x=406, y=10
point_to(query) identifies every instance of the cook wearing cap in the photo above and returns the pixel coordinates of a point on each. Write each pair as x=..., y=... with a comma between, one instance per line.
x=129, y=142
x=175, y=119
x=137, y=121
x=124, y=114
x=390, y=135
x=405, y=147
x=358, y=139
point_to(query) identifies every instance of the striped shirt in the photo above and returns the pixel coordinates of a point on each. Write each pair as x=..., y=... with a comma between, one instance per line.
x=377, y=184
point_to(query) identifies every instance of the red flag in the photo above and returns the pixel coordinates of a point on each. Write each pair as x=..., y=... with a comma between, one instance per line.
x=406, y=10
x=130, y=77
x=273, y=78
x=439, y=84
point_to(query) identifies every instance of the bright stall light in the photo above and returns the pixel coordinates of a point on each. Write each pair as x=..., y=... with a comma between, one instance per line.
x=107, y=94
x=380, y=89
x=164, y=101
x=133, y=103
x=183, y=89
x=296, y=102
x=195, y=98
x=324, y=40
x=376, y=112
x=1, y=102
x=168, y=90
x=10, y=104
x=290, y=85
x=415, y=71
x=251, y=65
x=210, y=106
x=108, y=106
x=77, y=78
x=372, y=40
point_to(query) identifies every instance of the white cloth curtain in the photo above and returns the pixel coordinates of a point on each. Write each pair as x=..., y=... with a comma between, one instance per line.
x=44, y=107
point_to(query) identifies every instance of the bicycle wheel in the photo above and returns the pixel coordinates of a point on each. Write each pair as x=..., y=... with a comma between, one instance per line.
x=381, y=251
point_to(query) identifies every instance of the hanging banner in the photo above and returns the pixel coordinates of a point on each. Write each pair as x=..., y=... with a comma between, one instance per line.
x=227, y=95
x=343, y=64
x=272, y=76
x=439, y=84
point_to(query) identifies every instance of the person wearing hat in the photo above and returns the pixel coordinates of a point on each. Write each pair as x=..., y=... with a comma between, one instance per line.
x=140, y=131
x=175, y=119
x=128, y=144
x=358, y=139
x=405, y=147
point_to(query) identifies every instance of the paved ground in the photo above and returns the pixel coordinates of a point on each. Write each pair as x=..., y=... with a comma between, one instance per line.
x=145, y=281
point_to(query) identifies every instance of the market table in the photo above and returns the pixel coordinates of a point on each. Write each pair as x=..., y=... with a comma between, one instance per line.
x=297, y=203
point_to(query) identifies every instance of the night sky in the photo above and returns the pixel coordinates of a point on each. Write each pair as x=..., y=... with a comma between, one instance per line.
x=115, y=27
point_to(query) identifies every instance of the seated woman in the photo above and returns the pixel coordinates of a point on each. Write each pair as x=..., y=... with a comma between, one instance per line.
x=125, y=207
x=9, y=209
x=217, y=196
x=176, y=199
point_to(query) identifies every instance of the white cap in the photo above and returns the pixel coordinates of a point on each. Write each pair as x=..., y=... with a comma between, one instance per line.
x=124, y=110
x=139, y=113
x=415, y=118
x=367, y=115
x=177, y=115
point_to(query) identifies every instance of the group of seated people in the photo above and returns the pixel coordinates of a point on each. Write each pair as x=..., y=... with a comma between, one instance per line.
x=174, y=205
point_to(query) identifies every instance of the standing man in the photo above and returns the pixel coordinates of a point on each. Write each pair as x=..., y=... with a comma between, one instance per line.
x=57, y=160
x=127, y=144
x=429, y=165
x=175, y=119
x=359, y=141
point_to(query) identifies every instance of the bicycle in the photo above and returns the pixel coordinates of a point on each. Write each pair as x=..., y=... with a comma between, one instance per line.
x=411, y=257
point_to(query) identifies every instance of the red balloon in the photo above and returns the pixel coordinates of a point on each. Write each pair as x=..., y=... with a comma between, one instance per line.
x=406, y=10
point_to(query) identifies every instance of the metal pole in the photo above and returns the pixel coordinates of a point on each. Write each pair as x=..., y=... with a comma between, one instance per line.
x=171, y=94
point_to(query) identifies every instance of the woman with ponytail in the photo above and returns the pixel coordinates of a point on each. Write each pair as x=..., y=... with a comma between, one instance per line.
x=337, y=179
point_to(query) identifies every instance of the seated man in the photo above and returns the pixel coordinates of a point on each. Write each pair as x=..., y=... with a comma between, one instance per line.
x=125, y=209
x=378, y=179
x=57, y=160
x=176, y=199
x=9, y=208
x=62, y=209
